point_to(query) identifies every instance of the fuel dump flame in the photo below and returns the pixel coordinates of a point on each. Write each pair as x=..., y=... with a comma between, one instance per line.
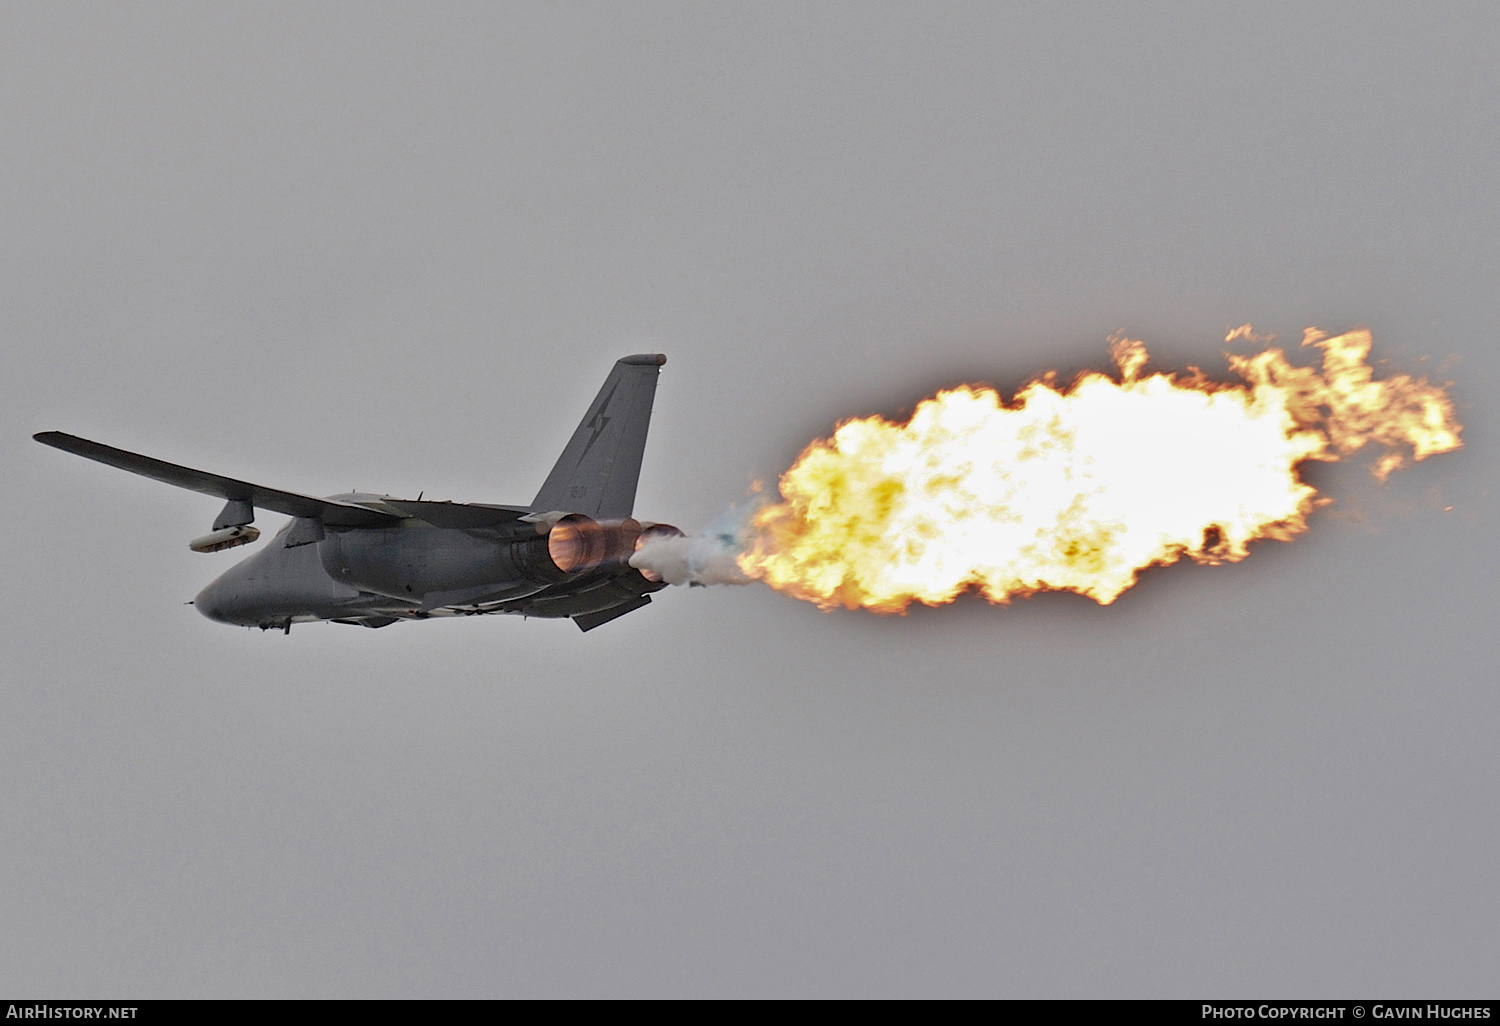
x=1079, y=488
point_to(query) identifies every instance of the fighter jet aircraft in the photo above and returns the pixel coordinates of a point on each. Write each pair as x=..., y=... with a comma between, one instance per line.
x=372, y=560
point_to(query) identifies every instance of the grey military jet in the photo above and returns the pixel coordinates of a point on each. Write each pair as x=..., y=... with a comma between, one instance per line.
x=372, y=560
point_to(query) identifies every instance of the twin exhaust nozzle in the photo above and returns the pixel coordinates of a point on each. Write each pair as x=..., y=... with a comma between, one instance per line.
x=577, y=543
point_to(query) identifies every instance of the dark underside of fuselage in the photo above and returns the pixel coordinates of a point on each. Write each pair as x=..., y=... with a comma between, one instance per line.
x=545, y=566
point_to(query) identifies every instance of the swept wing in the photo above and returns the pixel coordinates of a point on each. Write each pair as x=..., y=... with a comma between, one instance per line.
x=331, y=512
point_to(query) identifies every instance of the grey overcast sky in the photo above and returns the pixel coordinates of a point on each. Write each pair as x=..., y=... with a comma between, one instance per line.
x=395, y=247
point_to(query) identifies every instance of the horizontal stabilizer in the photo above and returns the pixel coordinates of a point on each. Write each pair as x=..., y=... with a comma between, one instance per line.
x=588, y=621
x=332, y=513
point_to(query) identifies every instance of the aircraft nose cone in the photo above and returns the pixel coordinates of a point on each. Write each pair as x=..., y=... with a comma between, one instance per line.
x=210, y=603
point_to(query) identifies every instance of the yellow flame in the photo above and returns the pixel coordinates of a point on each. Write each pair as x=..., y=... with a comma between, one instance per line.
x=1080, y=488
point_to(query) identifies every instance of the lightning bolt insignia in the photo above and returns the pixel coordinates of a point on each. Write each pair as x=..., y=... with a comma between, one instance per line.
x=598, y=422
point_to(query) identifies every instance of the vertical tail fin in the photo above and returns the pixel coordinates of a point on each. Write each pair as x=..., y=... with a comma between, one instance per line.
x=597, y=473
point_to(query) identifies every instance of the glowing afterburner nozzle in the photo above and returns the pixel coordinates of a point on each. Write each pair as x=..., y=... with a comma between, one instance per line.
x=576, y=543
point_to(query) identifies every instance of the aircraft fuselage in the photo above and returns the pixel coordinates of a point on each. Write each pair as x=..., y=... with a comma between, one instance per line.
x=550, y=566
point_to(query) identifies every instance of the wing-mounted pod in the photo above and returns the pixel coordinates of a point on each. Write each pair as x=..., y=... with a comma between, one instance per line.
x=227, y=538
x=231, y=528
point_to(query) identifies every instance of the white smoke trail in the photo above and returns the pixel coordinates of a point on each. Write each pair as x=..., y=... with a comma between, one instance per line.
x=701, y=559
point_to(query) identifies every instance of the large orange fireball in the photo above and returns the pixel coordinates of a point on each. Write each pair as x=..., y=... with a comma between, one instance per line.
x=1079, y=488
